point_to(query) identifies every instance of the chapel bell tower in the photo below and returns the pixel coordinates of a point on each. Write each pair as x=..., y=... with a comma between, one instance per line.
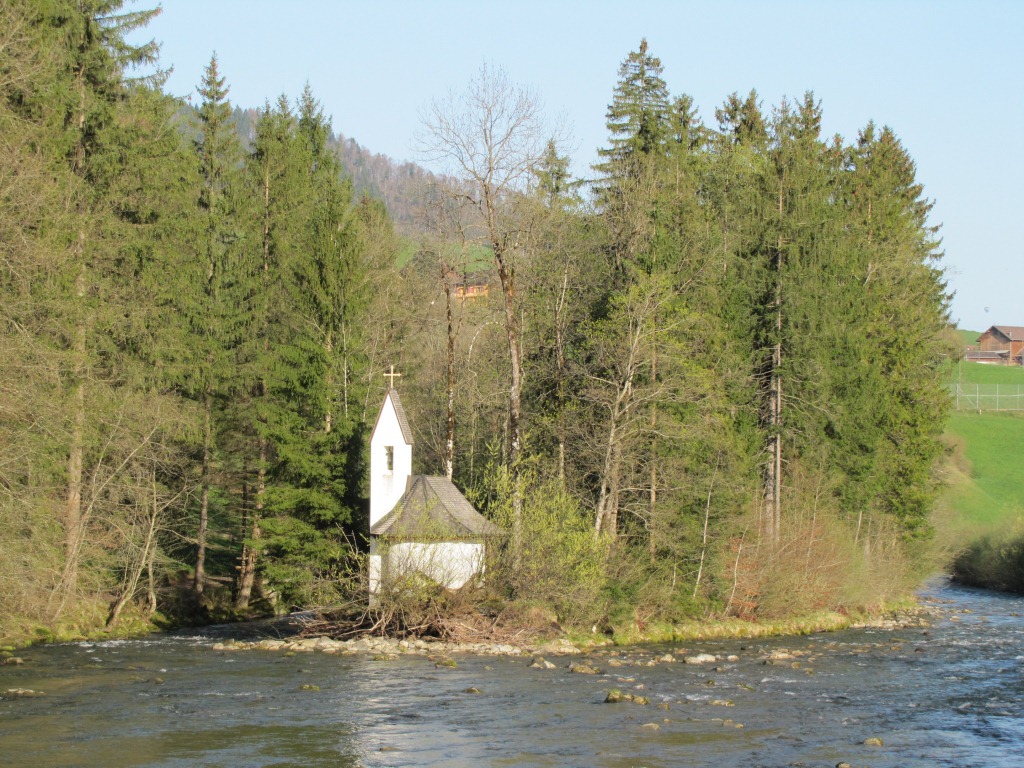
x=390, y=453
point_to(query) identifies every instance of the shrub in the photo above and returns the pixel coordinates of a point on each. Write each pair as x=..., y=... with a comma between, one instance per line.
x=995, y=561
x=562, y=563
x=822, y=560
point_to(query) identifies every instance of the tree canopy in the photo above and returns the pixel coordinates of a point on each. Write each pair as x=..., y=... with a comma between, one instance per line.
x=709, y=382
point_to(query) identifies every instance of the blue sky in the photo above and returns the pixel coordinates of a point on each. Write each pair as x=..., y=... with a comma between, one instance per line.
x=947, y=76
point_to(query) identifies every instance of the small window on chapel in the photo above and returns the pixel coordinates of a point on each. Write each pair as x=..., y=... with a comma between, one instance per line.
x=389, y=451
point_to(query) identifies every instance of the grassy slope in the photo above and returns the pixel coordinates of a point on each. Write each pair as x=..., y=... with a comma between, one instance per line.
x=979, y=373
x=475, y=259
x=988, y=488
x=985, y=477
x=967, y=337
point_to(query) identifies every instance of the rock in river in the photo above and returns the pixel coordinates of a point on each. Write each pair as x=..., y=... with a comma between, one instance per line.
x=700, y=658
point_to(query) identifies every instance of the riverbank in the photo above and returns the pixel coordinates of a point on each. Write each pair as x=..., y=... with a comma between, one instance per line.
x=917, y=615
x=308, y=631
x=994, y=561
x=86, y=624
x=945, y=694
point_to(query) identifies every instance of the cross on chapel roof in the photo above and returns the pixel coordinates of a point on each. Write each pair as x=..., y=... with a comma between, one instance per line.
x=391, y=376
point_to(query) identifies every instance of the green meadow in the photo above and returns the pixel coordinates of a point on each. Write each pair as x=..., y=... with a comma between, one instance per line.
x=985, y=487
x=985, y=482
x=967, y=337
x=980, y=513
x=978, y=373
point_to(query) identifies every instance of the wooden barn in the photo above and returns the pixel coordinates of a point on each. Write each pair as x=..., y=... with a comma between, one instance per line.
x=999, y=345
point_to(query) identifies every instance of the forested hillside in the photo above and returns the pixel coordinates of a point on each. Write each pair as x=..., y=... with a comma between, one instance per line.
x=711, y=383
x=399, y=185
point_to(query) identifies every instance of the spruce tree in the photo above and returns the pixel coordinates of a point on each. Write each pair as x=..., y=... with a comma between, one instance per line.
x=88, y=92
x=563, y=281
x=303, y=357
x=894, y=253
x=741, y=121
x=33, y=223
x=796, y=242
x=210, y=301
x=638, y=117
x=274, y=176
x=639, y=128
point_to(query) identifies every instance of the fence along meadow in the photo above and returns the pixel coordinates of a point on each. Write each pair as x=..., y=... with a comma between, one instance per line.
x=971, y=396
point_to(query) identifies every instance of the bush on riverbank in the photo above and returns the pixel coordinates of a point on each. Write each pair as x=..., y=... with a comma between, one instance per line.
x=822, y=560
x=560, y=565
x=995, y=561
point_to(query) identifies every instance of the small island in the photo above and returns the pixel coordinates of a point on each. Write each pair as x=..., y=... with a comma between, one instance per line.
x=705, y=386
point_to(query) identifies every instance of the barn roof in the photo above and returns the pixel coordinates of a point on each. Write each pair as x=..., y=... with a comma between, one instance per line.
x=976, y=354
x=1012, y=332
x=433, y=508
x=403, y=420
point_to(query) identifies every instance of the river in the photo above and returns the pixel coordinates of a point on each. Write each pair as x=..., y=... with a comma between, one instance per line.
x=951, y=694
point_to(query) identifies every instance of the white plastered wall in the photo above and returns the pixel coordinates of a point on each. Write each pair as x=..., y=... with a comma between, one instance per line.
x=387, y=486
x=449, y=563
x=375, y=571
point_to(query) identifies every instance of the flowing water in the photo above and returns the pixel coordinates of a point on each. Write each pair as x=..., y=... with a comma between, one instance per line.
x=951, y=694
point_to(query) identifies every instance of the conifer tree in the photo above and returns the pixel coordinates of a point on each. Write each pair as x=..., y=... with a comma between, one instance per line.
x=893, y=261
x=213, y=309
x=649, y=200
x=89, y=89
x=313, y=467
x=272, y=173
x=33, y=220
x=689, y=433
x=303, y=356
x=796, y=241
x=638, y=117
x=562, y=284
x=741, y=121
x=639, y=128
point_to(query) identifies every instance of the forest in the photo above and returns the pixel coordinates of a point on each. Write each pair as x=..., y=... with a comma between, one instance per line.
x=707, y=381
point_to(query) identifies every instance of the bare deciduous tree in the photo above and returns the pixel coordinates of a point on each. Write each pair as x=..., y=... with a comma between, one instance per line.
x=487, y=139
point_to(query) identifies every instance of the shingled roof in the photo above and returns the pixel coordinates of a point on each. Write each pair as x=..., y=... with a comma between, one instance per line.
x=403, y=420
x=1012, y=332
x=977, y=355
x=433, y=508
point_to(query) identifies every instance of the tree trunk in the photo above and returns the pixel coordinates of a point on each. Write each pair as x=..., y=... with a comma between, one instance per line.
x=449, y=443
x=561, y=372
x=247, y=572
x=606, y=518
x=603, y=498
x=653, y=449
x=73, y=533
x=151, y=604
x=247, y=567
x=329, y=383
x=773, y=475
x=704, y=535
x=204, y=504
x=515, y=438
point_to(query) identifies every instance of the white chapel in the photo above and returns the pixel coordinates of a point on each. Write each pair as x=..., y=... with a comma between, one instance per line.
x=418, y=524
